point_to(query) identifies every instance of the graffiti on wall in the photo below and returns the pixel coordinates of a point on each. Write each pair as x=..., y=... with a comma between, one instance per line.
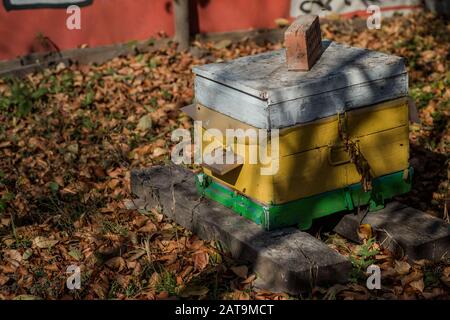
x=34, y=4
x=348, y=7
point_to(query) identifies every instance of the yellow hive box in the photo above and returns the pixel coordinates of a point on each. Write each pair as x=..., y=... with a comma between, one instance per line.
x=343, y=133
x=312, y=159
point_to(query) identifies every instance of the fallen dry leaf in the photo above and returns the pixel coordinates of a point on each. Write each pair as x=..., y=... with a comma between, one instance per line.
x=200, y=259
x=27, y=297
x=365, y=231
x=435, y=293
x=13, y=256
x=44, y=243
x=446, y=272
x=282, y=22
x=116, y=263
x=148, y=227
x=65, y=171
x=3, y=279
x=145, y=123
x=222, y=44
x=413, y=276
x=249, y=279
x=402, y=267
x=240, y=271
x=158, y=152
x=418, y=285
x=446, y=281
x=194, y=291
x=162, y=295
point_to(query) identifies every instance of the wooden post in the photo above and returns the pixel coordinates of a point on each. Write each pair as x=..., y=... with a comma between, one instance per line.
x=182, y=30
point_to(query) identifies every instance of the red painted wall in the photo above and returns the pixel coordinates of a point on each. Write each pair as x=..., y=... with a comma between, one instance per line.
x=117, y=21
x=104, y=22
x=228, y=15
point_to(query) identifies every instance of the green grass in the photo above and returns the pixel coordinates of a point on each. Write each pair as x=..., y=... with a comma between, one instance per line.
x=420, y=97
x=362, y=259
x=167, y=282
x=114, y=227
x=23, y=97
x=130, y=291
x=66, y=208
x=114, y=290
x=4, y=200
x=432, y=275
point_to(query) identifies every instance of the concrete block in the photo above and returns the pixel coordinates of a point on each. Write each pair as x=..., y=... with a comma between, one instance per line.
x=403, y=230
x=285, y=260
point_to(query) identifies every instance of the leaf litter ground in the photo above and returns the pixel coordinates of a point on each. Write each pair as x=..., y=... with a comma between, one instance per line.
x=70, y=135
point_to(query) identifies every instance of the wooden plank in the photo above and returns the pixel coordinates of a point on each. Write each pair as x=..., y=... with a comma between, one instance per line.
x=212, y=119
x=256, y=112
x=220, y=165
x=308, y=173
x=319, y=106
x=363, y=121
x=233, y=103
x=266, y=76
x=247, y=180
x=305, y=173
x=27, y=64
x=38, y=61
x=258, y=35
x=285, y=260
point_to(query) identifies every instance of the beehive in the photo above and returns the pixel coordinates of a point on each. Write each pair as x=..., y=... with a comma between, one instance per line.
x=350, y=98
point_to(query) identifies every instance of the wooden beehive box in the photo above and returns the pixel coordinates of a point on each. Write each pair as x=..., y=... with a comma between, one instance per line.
x=361, y=90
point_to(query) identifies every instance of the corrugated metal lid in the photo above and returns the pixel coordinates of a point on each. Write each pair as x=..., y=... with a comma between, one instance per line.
x=266, y=77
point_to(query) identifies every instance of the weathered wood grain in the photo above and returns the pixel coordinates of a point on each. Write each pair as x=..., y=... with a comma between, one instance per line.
x=39, y=61
x=260, y=90
x=265, y=75
x=258, y=113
